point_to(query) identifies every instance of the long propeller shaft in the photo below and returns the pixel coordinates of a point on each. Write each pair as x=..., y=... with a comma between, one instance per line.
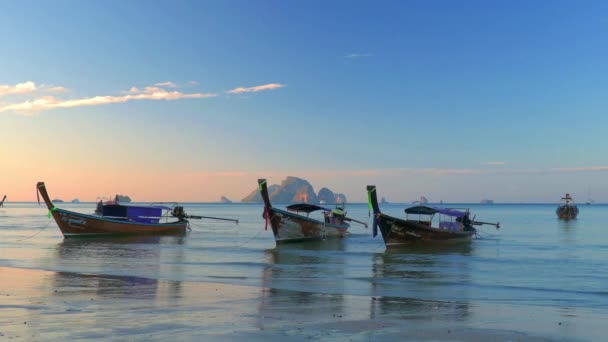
x=213, y=218
x=350, y=219
x=479, y=223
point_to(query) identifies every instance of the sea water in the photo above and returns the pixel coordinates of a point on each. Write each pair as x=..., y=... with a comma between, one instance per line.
x=535, y=261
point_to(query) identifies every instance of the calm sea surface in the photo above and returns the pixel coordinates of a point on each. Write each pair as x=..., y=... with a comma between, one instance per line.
x=534, y=260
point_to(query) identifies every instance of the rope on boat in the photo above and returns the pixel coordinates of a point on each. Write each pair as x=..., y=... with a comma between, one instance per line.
x=483, y=234
x=38, y=232
x=249, y=240
x=202, y=225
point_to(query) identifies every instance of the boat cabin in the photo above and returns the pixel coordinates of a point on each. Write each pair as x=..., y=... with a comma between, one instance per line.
x=151, y=214
x=331, y=216
x=448, y=219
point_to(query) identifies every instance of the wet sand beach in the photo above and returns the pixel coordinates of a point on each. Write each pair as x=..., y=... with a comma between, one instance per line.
x=53, y=306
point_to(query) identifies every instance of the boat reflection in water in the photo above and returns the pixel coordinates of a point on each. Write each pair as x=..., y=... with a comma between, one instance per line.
x=309, y=283
x=304, y=279
x=117, y=267
x=425, y=281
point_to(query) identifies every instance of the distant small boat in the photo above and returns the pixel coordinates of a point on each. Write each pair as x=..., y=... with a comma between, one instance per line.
x=487, y=201
x=452, y=225
x=423, y=200
x=119, y=219
x=567, y=210
x=589, y=200
x=75, y=201
x=289, y=226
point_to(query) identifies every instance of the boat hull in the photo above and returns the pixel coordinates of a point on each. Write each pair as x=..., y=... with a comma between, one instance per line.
x=288, y=227
x=74, y=224
x=567, y=212
x=396, y=231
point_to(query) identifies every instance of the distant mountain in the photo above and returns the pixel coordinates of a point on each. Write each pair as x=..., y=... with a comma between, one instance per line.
x=326, y=196
x=225, y=199
x=296, y=190
x=340, y=198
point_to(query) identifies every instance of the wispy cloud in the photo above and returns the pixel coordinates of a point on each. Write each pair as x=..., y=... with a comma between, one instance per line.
x=147, y=93
x=26, y=88
x=494, y=163
x=167, y=84
x=358, y=55
x=255, y=89
x=581, y=169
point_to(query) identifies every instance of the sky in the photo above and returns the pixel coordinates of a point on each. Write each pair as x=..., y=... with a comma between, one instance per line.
x=188, y=101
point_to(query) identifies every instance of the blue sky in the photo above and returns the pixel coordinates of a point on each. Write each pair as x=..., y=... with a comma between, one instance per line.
x=454, y=100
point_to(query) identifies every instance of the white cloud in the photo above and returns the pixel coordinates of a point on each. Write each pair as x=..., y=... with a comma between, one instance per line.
x=494, y=163
x=56, y=89
x=255, y=89
x=27, y=88
x=51, y=102
x=19, y=88
x=167, y=84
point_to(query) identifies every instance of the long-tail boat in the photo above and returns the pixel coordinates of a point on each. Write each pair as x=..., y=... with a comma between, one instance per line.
x=568, y=210
x=453, y=225
x=2, y=202
x=289, y=226
x=118, y=219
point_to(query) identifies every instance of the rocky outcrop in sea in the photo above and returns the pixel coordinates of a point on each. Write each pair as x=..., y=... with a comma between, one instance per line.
x=296, y=190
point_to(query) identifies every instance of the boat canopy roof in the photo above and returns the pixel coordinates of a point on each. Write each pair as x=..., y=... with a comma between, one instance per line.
x=424, y=210
x=154, y=206
x=306, y=208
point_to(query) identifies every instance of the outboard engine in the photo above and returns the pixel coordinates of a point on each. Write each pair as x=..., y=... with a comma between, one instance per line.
x=178, y=212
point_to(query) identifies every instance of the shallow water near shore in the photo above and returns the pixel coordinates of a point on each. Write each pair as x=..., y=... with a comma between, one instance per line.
x=537, y=276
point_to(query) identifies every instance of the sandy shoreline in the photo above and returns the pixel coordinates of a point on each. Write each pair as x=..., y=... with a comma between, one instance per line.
x=50, y=306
